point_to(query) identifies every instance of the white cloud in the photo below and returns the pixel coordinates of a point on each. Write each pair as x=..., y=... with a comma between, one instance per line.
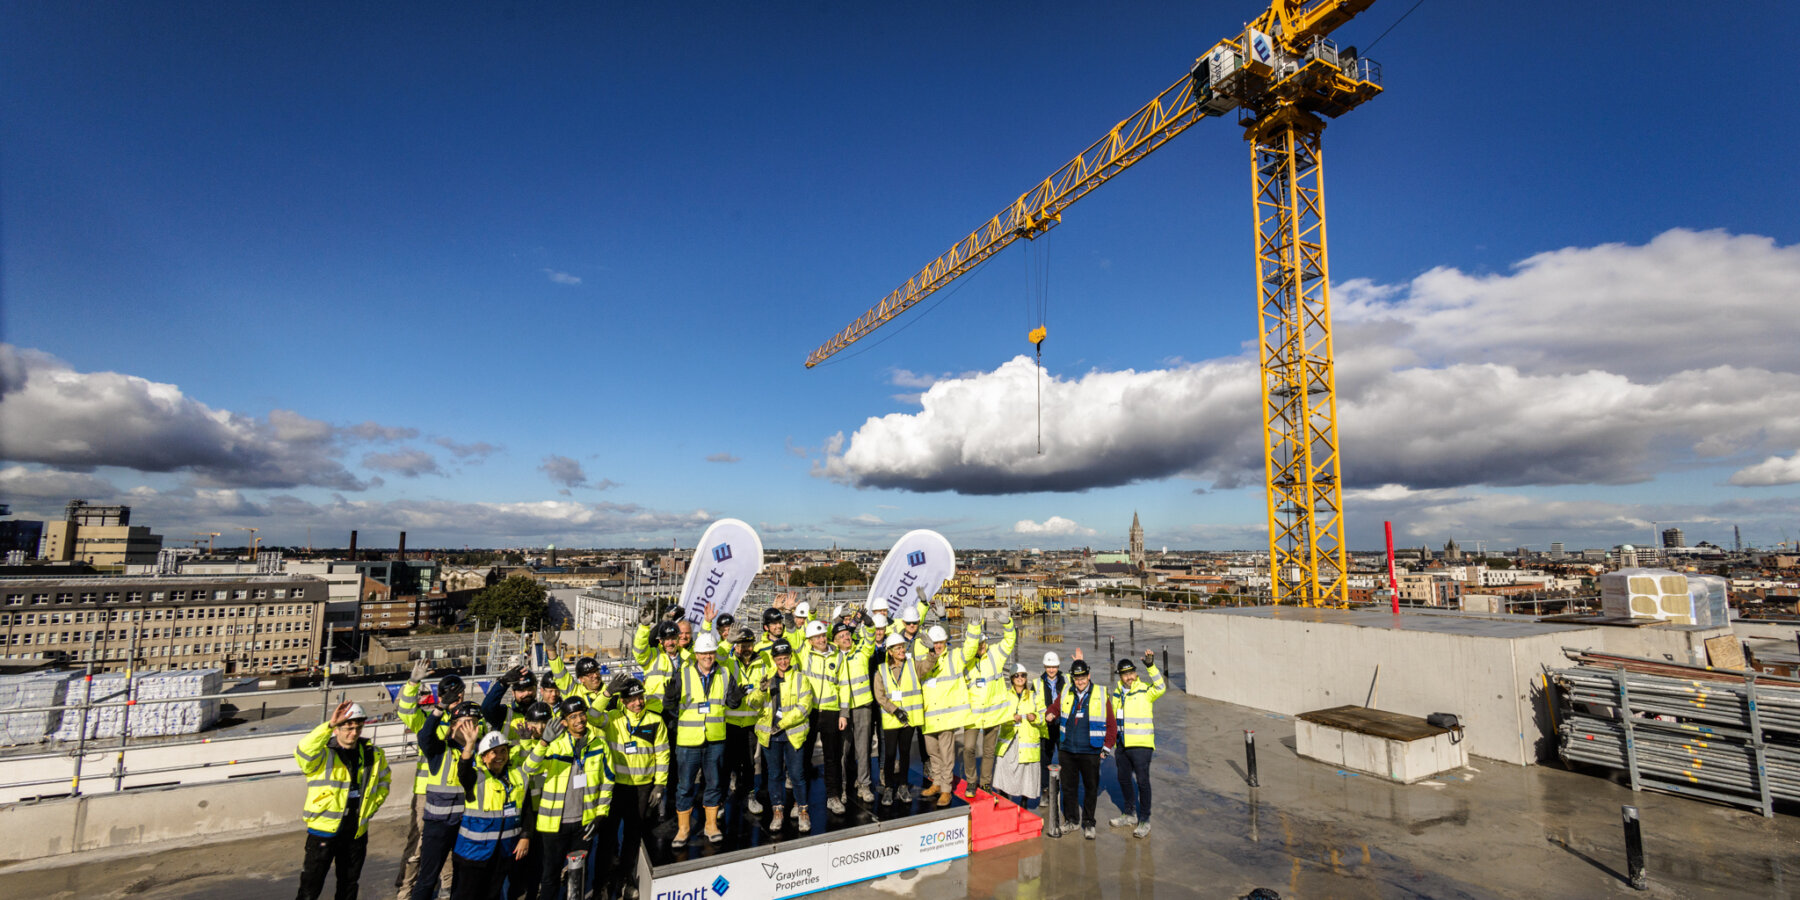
x=1583, y=366
x=1055, y=525
x=52, y=414
x=1772, y=471
x=567, y=473
x=26, y=483
x=408, y=462
x=561, y=277
x=375, y=431
x=723, y=458
x=475, y=452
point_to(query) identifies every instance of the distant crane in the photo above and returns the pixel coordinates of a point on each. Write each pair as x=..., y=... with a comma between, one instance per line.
x=1281, y=75
x=209, y=535
x=254, y=540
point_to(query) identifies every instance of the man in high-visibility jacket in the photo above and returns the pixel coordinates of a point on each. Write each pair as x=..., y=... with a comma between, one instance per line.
x=701, y=693
x=918, y=646
x=857, y=698
x=821, y=662
x=510, y=720
x=577, y=777
x=900, y=693
x=443, y=795
x=775, y=627
x=1132, y=700
x=781, y=731
x=946, y=711
x=347, y=780
x=585, y=684
x=491, y=844
x=988, y=706
x=407, y=707
x=1088, y=736
x=639, y=743
x=1050, y=686
x=747, y=668
x=660, y=662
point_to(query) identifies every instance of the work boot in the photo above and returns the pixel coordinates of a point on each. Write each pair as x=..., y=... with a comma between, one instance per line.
x=805, y=820
x=835, y=805
x=1087, y=831
x=987, y=787
x=778, y=819
x=682, y=819
x=944, y=798
x=867, y=795
x=713, y=833
x=930, y=791
x=887, y=796
x=1142, y=829
x=1124, y=821
x=754, y=804
x=968, y=791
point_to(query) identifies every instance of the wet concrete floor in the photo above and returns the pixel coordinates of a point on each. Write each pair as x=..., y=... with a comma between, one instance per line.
x=1310, y=830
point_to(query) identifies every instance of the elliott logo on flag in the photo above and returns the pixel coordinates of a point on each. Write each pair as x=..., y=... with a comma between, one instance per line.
x=915, y=558
x=722, y=553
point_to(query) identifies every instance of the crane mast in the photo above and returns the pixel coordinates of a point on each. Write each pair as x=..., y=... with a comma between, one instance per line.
x=1284, y=77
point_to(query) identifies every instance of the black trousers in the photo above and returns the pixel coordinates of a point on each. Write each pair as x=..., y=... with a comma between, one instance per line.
x=557, y=845
x=1134, y=781
x=322, y=853
x=631, y=817
x=740, y=758
x=1080, y=772
x=924, y=752
x=897, y=742
x=825, y=725
x=481, y=879
x=436, y=840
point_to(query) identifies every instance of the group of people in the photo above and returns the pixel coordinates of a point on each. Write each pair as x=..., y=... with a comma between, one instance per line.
x=563, y=761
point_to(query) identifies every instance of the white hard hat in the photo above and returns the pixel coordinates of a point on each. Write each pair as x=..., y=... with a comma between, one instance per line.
x=911, y=616
x=837, y=612
x=880, y=620
x=938, y=635
x=707, y=642
x=1019, y=669
x=489, y=741
x=803, y=610
x=356, y=713
x=1051, y=659
x=893, y=640
x=815, y=628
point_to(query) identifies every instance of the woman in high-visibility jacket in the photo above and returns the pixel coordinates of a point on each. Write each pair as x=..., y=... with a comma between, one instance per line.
x=747, y=668
x=946, y=711
x=347, y=780
x=787, y=708
x=900, y=692
x=1015, y=762
x=639, y=742
x=577, y=777
x=491, y=844
x=822, y=663
x=1133, y=699
x=988, y=705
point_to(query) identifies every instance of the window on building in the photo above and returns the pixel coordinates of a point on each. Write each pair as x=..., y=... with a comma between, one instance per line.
x=39, y=599
x=299, y=593
x=239, y=594
x=221, y=595
x=134, y=596
x=15, y=599
x=156, y=596
x=87, y=596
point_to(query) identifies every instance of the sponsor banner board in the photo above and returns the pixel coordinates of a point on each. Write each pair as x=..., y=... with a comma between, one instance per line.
x=919, y=564
x=818, y=867
x=725, y=561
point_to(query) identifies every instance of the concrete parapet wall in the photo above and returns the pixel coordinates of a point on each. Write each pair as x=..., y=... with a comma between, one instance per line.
x=102, y=821
x=1165, y=616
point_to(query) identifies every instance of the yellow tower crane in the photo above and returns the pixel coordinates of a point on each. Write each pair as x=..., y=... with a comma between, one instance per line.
x=209, y=535
x=1284, y=77
x=254, y=540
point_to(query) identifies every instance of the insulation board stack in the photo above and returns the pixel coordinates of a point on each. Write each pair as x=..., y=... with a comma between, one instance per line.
x=1647, y=594
x=147, y=719
x=1709, y=593
x=24, y=692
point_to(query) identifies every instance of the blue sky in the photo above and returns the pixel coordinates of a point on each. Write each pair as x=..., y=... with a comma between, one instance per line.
x=509, y=234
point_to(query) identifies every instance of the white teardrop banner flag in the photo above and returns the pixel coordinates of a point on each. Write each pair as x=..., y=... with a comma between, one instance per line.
x=728, y=556
x=920, y=562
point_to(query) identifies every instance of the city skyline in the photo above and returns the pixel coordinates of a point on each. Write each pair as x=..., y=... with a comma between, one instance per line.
x=510, y=278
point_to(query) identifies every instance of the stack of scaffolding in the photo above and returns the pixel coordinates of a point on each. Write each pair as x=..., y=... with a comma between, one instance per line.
x=145, y=719
x=1684, y=729
x=26, y=692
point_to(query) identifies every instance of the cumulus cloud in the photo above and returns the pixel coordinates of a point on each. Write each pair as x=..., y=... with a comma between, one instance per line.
x=1578, y=366
x=567, y=474
x=78, y=421
x=27, y=483
x=1055, y=525
x=408, y=462
x=723, y=458
x=561, y=277
x=475, y=452
x=1772, y=471
x=375, y=431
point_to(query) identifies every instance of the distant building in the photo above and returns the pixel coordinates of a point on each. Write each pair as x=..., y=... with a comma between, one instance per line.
x=268, y=623
x=98, y=536
x=1136, y=541
x=1672, y=537
x=1556, y=550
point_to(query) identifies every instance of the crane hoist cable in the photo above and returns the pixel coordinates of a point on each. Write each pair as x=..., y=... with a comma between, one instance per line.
x=1037, y=314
